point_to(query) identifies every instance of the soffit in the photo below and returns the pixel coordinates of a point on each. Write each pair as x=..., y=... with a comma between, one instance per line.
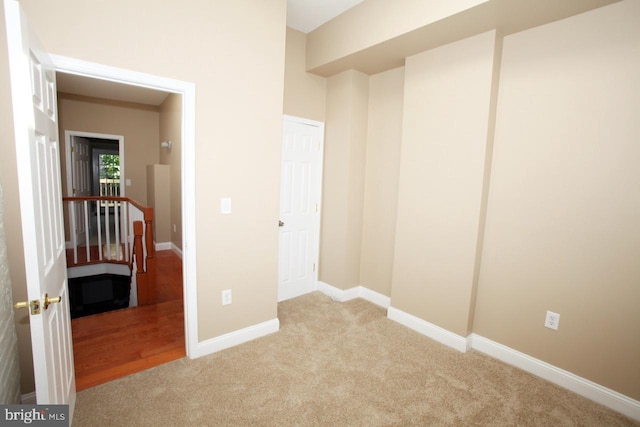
x=506, y=16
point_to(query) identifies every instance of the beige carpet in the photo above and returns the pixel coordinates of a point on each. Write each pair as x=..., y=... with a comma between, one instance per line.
x=337, y=364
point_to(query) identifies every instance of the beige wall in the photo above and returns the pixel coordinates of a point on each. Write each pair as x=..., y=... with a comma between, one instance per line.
x=304, y=93
x=234, y=53
x=444, y=142
x=171, y=130
x=159, y=198
x=343, y=182
x=563, y=221
x=12, y=218
x=561, y=228
x=384, y=135
x=555, y=228
x=139, y=124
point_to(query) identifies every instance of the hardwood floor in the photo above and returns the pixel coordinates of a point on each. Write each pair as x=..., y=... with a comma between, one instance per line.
x=111, y=345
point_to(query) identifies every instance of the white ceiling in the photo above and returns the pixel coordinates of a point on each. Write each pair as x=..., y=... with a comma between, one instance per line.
x=78, y=85
x=307, y=15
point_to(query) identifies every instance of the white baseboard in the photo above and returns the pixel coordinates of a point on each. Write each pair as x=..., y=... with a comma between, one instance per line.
x=586, y=388
x=234, y=338
x=163, y=246
x=607, y=397
x=176, y=249
x=341, y=295
x=428, y=329
x=168, y=246
x=28, y=398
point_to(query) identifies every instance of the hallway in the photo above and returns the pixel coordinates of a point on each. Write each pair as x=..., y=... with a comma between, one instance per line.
x=111, y=345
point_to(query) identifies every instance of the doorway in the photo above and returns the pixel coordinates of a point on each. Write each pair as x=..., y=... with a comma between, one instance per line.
x=96, y=169
x=94, y=164
x=187, y=92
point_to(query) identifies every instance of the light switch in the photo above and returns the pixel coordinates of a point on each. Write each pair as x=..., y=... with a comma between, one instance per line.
x=127, y=182
x=225, y=206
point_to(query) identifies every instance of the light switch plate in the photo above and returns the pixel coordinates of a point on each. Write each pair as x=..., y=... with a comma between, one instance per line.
x=225, y=206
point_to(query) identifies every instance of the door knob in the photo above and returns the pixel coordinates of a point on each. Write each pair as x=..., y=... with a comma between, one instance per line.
x=33, y=305
x=48, y=301
x=280, y=223
x=21, y=304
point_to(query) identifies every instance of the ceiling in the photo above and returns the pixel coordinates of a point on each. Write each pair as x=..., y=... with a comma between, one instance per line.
x=85, y=86
x=307, y=15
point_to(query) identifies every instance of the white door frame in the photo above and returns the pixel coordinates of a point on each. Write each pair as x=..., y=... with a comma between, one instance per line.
x=316, y=226
x=188, y=92
x=68, y=134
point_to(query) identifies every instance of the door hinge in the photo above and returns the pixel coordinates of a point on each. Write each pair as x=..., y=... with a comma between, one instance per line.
x=314, y=266
x=73, y=148
x=316, y=208
x=74, y=191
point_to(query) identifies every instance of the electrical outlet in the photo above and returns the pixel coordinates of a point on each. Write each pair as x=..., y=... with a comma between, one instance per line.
x=552, y=320
x=226, y=297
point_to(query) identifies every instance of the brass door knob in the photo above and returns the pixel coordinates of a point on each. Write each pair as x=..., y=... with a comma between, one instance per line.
x=280, y=223
x=33, y=305
x=48, y=301
x=21, y=304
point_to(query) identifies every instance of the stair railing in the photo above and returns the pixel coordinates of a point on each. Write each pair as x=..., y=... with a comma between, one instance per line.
x=116, y=230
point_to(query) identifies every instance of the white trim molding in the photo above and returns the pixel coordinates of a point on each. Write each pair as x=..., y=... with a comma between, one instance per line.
x=176, y=249
x=163, y=246
x=234, y=338
x=428, y=329
x=600, y=394
x=341, y=295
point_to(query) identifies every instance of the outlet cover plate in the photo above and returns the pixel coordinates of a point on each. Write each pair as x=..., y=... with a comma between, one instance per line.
x=552, y=320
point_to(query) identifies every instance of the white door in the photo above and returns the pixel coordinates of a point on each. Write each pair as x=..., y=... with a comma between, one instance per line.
x=38, y=158
x=81, y=183
x=300, y=194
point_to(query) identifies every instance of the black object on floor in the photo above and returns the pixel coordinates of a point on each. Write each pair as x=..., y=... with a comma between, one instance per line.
x=97, y=294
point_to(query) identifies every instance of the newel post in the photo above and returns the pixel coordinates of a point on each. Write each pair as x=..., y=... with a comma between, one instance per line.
x=141, y=275
x=151, y=255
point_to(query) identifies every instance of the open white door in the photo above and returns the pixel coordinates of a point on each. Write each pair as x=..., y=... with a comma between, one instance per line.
x=80, y=182
x=33, y=94
x=300, y=190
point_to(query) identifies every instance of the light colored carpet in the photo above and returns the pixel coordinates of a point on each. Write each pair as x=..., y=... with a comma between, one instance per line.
x=337, y=364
